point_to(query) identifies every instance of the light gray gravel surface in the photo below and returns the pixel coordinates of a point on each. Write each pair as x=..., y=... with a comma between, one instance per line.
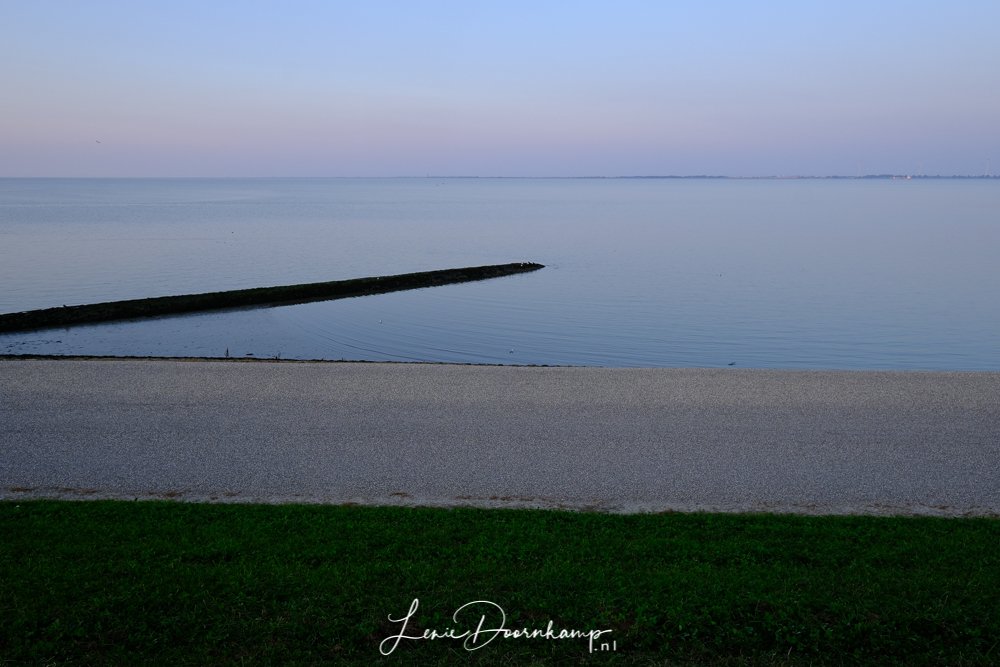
x=581, y=438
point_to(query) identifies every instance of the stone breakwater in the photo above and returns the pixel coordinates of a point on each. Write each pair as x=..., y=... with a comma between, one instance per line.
x=245, y=298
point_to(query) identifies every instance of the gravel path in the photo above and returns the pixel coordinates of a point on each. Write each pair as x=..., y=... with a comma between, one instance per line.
x=583, y=438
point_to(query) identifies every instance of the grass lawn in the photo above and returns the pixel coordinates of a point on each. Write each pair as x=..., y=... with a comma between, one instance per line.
x=150, y=583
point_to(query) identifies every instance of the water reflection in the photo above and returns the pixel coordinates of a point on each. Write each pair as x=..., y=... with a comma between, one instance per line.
x=789, y=274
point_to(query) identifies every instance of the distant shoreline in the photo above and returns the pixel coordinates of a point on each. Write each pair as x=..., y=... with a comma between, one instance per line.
x=651, y=177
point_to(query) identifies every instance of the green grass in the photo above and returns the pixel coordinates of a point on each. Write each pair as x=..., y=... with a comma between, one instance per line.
x=152, y=583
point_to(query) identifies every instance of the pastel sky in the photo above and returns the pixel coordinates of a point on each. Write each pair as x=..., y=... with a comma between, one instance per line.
x=504, y=87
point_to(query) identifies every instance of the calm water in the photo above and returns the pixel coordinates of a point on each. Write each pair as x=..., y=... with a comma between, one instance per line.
x=765, y=274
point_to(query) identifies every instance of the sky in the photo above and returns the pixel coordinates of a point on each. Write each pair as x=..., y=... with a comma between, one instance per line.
x=498, y=88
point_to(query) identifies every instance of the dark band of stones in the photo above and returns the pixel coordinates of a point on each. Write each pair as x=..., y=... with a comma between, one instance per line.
x=258, y=296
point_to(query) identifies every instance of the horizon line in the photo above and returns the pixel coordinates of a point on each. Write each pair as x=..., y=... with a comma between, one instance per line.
x=772, y=177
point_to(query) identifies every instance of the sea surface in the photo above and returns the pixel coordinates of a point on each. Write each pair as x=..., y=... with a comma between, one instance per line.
x=808, y=274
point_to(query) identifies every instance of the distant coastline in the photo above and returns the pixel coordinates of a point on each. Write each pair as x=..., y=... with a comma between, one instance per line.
x=866, y=177
x=710, y=177
x=689, y=177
